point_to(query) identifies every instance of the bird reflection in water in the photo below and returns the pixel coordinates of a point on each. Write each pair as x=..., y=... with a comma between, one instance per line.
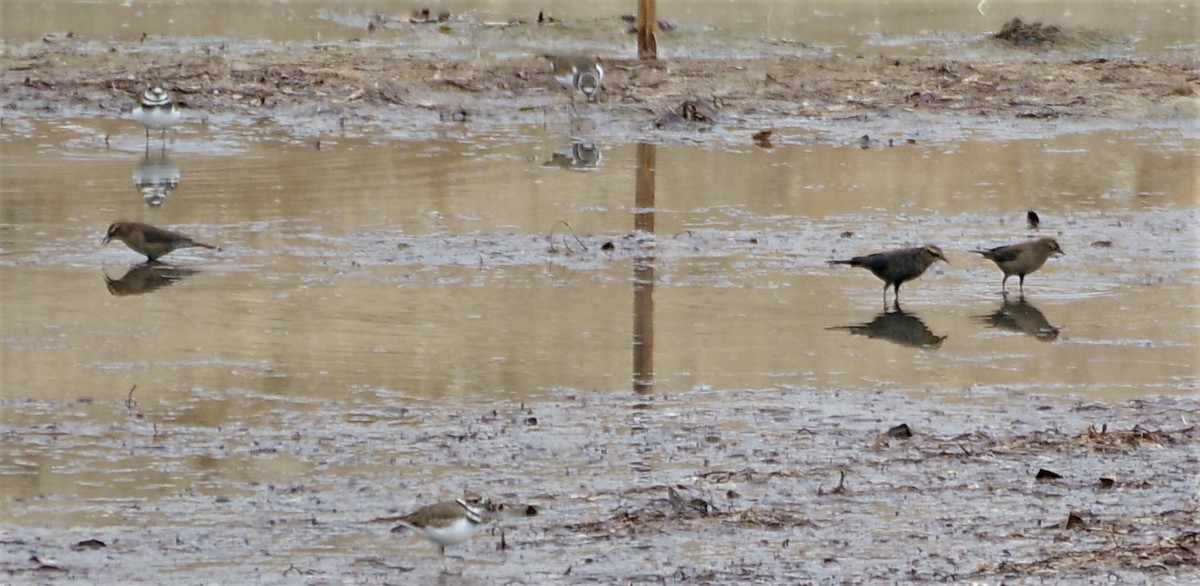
x=1021, y=316
x=156, y=177
x=898, y=327
x=579, y=155
x=146, y=277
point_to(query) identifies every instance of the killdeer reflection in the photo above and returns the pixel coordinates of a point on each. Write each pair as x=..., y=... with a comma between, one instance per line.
x=578, y=73
x=448, y=522
x=155, y=177
x=156, y=111
x=581, y=155
x=151, y=241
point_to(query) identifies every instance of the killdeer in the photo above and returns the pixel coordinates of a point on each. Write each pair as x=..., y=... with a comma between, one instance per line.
x=1021, y=258
x=448, y=522
x=151, y=241
x=156, y=111
x=578, y=72
x=895, y=267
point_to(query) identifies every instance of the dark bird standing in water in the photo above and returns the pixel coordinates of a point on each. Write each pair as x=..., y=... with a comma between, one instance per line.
x=1021, y=258
x=895, y=267
x=1032, y=218
x=151, y=241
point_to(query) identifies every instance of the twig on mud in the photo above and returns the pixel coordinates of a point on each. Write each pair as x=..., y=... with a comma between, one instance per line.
x=129, y=402
x=565, y=245
x=840, y=488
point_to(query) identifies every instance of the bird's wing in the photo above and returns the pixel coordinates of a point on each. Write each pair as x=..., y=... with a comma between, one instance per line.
x=1000, y=253
x=1004, y=253
x=154, y=235
x=871, y=261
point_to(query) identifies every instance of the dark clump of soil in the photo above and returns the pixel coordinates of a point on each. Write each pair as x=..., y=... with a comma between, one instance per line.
x=1036, y=35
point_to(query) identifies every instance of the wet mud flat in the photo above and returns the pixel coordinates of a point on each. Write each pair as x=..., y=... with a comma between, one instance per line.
x=372, y=84
x=782, y=485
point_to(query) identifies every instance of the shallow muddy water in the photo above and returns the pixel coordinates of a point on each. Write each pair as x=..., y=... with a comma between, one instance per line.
x=555, y=314
x=356, y=263
x=371, y=297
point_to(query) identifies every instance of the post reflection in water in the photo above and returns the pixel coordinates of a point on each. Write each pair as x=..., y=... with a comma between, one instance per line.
x=146, y=277
x=898, y=327
x=1021, y=316
x=155, y=177
x=580, y=155
x=643, y=271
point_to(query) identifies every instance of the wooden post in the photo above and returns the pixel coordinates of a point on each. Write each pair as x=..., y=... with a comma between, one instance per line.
x=647, y=29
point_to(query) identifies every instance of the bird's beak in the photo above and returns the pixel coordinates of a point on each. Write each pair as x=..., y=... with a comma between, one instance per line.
x=106, y=240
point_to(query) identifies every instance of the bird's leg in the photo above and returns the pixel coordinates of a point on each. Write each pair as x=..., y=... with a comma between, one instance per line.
x=1022, y=286
x=1003, y=284
x=885, y=287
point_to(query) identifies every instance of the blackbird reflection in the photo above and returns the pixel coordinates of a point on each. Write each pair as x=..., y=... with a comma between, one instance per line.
x=156, y=177
x=898, y=327
x=577, y=155
x=146, y=277
x=1021, y=316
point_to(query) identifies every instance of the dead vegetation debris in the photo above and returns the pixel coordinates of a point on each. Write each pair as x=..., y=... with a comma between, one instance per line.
x=1021, y=34
x=356, y=83
x=1094, y=439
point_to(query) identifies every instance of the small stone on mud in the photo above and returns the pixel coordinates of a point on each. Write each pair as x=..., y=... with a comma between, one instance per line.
x=1044, y=474
x=762, y=138
x=901, y=431
x=1073, y=521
